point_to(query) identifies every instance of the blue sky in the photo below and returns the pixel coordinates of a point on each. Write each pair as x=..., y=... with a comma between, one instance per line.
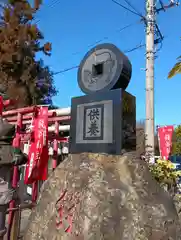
x=71, y=26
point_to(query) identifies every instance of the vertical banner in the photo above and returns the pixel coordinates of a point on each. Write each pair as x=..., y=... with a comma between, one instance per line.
x=37, y=165
x=165, y=140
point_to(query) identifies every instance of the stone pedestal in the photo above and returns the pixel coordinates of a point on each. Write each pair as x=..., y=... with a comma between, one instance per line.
x=103, y=123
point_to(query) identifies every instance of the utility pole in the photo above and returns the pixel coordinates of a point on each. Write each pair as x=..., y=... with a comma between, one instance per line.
x=149, y=122
x=151, y=29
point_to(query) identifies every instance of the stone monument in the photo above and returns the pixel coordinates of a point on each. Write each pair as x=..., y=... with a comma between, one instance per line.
x=102, y=197
x=104, y=120
x=95, y=195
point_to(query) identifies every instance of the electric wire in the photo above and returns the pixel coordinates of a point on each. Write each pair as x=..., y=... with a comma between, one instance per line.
x=128, y=9
x=158, y=49
x=135, y=48
x=135, y=12
x=131, y=5
x=51, y=5
x=65, y=70
x=139, y=46
x=106, y=37
x=97, y=42
x=76, y=66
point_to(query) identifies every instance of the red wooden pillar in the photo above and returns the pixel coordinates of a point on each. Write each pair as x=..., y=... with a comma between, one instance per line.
x=55, y=146
x=15, y=217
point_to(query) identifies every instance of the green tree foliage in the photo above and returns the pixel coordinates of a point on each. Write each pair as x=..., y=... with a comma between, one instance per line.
x=23, y=77
x=176, y=146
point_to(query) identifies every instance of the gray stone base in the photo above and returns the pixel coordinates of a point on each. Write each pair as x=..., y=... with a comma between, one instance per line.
x=103, y=123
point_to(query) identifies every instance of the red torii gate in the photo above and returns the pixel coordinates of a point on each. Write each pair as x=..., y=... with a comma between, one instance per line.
x=20, y=117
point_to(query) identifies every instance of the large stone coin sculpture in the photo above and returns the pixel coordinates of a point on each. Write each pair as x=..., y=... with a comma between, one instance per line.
x=102, y=197
x=104, y=68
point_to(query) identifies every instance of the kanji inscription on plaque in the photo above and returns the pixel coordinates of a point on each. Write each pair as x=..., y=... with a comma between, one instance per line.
x=93, y=122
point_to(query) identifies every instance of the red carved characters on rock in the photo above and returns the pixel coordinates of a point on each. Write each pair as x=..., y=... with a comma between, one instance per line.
x=66, y=206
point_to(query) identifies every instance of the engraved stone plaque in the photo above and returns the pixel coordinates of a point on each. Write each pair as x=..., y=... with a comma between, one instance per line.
x=94, y=123
x=103, y=123
x=97, y=122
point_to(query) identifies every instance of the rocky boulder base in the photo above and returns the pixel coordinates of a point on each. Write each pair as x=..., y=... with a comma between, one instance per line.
x=103, y=197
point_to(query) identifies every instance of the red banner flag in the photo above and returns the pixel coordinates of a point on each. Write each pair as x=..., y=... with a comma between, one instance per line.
x=36, y=168
x=165, y=140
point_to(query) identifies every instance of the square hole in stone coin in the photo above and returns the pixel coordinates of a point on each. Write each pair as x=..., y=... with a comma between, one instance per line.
x=97, y=69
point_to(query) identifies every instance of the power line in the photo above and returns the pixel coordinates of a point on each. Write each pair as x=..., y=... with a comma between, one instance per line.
x=76, y=66
x=106, y=37
x=96, y=42
x=139, y=46
x=135, y=48
x=159, y=49
x=65, y=70
x=99, y=41
x=128, y=9
x=54, y=2
x=131, y=5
